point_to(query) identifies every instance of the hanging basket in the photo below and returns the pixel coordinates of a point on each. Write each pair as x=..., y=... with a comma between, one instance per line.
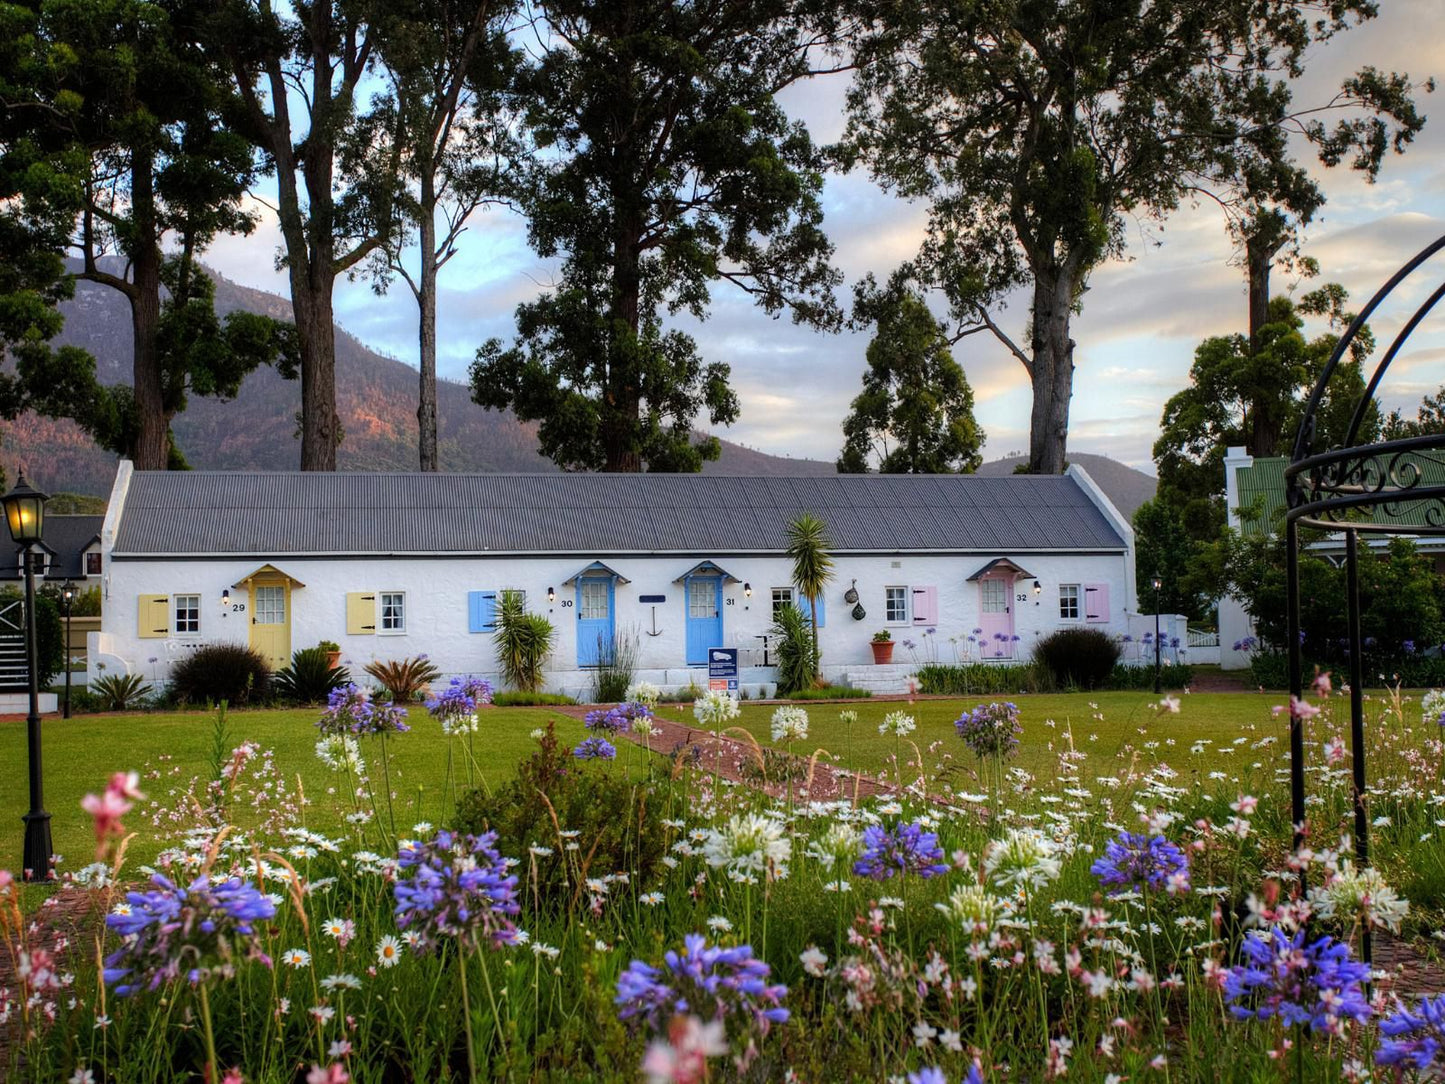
x=859, y=613
x=851, y=595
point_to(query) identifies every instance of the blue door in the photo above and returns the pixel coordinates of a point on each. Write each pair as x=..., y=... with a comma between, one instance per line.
x=704, y=617
x=594, y=619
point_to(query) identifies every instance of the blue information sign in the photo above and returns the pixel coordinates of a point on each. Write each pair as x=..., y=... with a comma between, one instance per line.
x=722, y=668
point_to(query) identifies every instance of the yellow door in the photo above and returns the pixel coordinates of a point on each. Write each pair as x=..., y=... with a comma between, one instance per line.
x=271, y=621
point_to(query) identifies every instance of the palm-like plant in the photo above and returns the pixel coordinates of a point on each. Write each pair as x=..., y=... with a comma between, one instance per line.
x=523, y=642
x=808, y=545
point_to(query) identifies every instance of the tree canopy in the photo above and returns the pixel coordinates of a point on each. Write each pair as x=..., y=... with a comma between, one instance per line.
x=673, y=167
x=1036, y=131
x=915, y=413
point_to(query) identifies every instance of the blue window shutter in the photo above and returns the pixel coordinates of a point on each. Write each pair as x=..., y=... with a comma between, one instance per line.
x=481, y=611
x=807, y=607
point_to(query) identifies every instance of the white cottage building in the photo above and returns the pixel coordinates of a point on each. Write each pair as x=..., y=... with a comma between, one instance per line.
x=396, y=565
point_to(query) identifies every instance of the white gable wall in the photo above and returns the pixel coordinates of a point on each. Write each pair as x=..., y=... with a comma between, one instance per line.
x=437, y=589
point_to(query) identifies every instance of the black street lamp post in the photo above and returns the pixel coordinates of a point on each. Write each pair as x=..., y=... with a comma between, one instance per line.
x=1158, y=583
x=69, y=595
x=25, y=514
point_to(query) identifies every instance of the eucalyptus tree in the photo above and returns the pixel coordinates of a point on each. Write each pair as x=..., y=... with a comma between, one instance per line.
x=297, y=70
x=120, y=91
x=671, y=167
x=915, y=412
x=450, y=66
x=1038, y=130
x=808, y=546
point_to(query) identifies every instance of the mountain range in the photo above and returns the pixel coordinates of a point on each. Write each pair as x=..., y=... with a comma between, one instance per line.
x=376, y=399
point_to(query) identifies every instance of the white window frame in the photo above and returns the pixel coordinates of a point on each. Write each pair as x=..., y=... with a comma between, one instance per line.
x=382, y=629
x=590, y=586
x=99, y=563
x=1078, y=601
x=176, y=630
x=782, y=597
x=905, y=594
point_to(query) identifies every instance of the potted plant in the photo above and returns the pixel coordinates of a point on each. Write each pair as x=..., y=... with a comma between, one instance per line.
x=882, y=646
x=333, y=651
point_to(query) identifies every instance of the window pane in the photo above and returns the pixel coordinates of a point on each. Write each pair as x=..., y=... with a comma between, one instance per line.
x=994, y=596
x=702, y=598
x=188, y=613
x=594, y=600
x=896, y=604
x=270, y=605
x=1069, y=601
x=782, y=599
x=393, y=611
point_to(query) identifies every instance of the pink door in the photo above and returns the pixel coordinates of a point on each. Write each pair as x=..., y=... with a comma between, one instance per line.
x=996, y=617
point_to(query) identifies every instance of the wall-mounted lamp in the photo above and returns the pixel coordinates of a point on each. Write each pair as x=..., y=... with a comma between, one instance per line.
x=551, y=594
x=226, y=599
x=1038, y=587
x=748, y=590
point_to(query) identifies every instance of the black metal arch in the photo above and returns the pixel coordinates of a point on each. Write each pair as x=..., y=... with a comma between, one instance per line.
x=1328, y=489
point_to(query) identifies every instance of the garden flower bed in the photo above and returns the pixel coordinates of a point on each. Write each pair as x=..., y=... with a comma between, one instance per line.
x=1009, y=904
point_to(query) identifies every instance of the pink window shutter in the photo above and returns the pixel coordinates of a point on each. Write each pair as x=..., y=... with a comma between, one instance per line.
x=925, y=606
x=1096, y=602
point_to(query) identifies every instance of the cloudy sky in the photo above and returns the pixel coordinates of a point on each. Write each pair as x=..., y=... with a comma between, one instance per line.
x=1142, y=315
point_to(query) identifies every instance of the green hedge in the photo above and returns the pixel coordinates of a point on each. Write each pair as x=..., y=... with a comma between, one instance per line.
x=1270, y=669
x=530, y=700
x=988, y=679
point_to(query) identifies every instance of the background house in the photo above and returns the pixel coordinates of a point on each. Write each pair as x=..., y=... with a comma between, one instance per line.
x=396, y=565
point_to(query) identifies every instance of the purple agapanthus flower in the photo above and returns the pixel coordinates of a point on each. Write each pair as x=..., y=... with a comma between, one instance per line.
x=1316, y=985
x=169, y=928
x=990, y=730
x=708, y=980
x=1409, y=647
x=1136, y=861
x=350, y=710
x=456, y=885
x=595, y=749
x=461, y=697
x=904, y=848
x=1415, y=1037
x=929, y=1074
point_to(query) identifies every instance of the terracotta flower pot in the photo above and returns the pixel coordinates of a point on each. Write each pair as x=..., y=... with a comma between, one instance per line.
x=332, y=658
x=882, y=652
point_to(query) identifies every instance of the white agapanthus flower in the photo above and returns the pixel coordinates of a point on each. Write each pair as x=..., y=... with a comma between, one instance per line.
x=340, y=752
x=975, y=909
x=839, y=845
x=790, y=724
x=1432, y=706
x=643, y=692
x=1023, y=858
x=749, y=843
x=714, y=708
x=898, y=723
x=1359, y=896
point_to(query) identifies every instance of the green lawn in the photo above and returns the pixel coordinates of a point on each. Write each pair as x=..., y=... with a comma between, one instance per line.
x=1108, y=725
x=81, y=753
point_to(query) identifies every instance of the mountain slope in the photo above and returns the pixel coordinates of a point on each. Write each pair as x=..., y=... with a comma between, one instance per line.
x=376, y=399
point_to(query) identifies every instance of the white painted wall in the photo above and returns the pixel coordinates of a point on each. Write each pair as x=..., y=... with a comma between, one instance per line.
x=437, y=617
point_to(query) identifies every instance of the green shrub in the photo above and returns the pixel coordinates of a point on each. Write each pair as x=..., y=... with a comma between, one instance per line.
x=217, y=672
x=1082, y=658
x=523, y=642
x=49, y=633
x=616, y=663
x=797, y=665
x=310, y=677
x=404, y=679
x=118, y=692
x=984, y=679
x=1175, y=676
x=530, y=700
x=619, y=823
x=830, y=692
x=1270, y=670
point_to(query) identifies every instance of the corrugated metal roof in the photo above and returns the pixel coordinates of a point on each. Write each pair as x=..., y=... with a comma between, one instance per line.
x=1261, y=489
x=185, y=512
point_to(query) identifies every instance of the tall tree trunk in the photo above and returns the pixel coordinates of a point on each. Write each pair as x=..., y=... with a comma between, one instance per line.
x=1260, y=247
x=316, y=342
x=622, y=403
x=426, y=409
x=152, y=440
x=1053, y=370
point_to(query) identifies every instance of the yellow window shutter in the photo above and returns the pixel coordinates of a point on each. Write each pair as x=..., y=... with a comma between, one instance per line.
x=360, y=613
x=153, y=617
